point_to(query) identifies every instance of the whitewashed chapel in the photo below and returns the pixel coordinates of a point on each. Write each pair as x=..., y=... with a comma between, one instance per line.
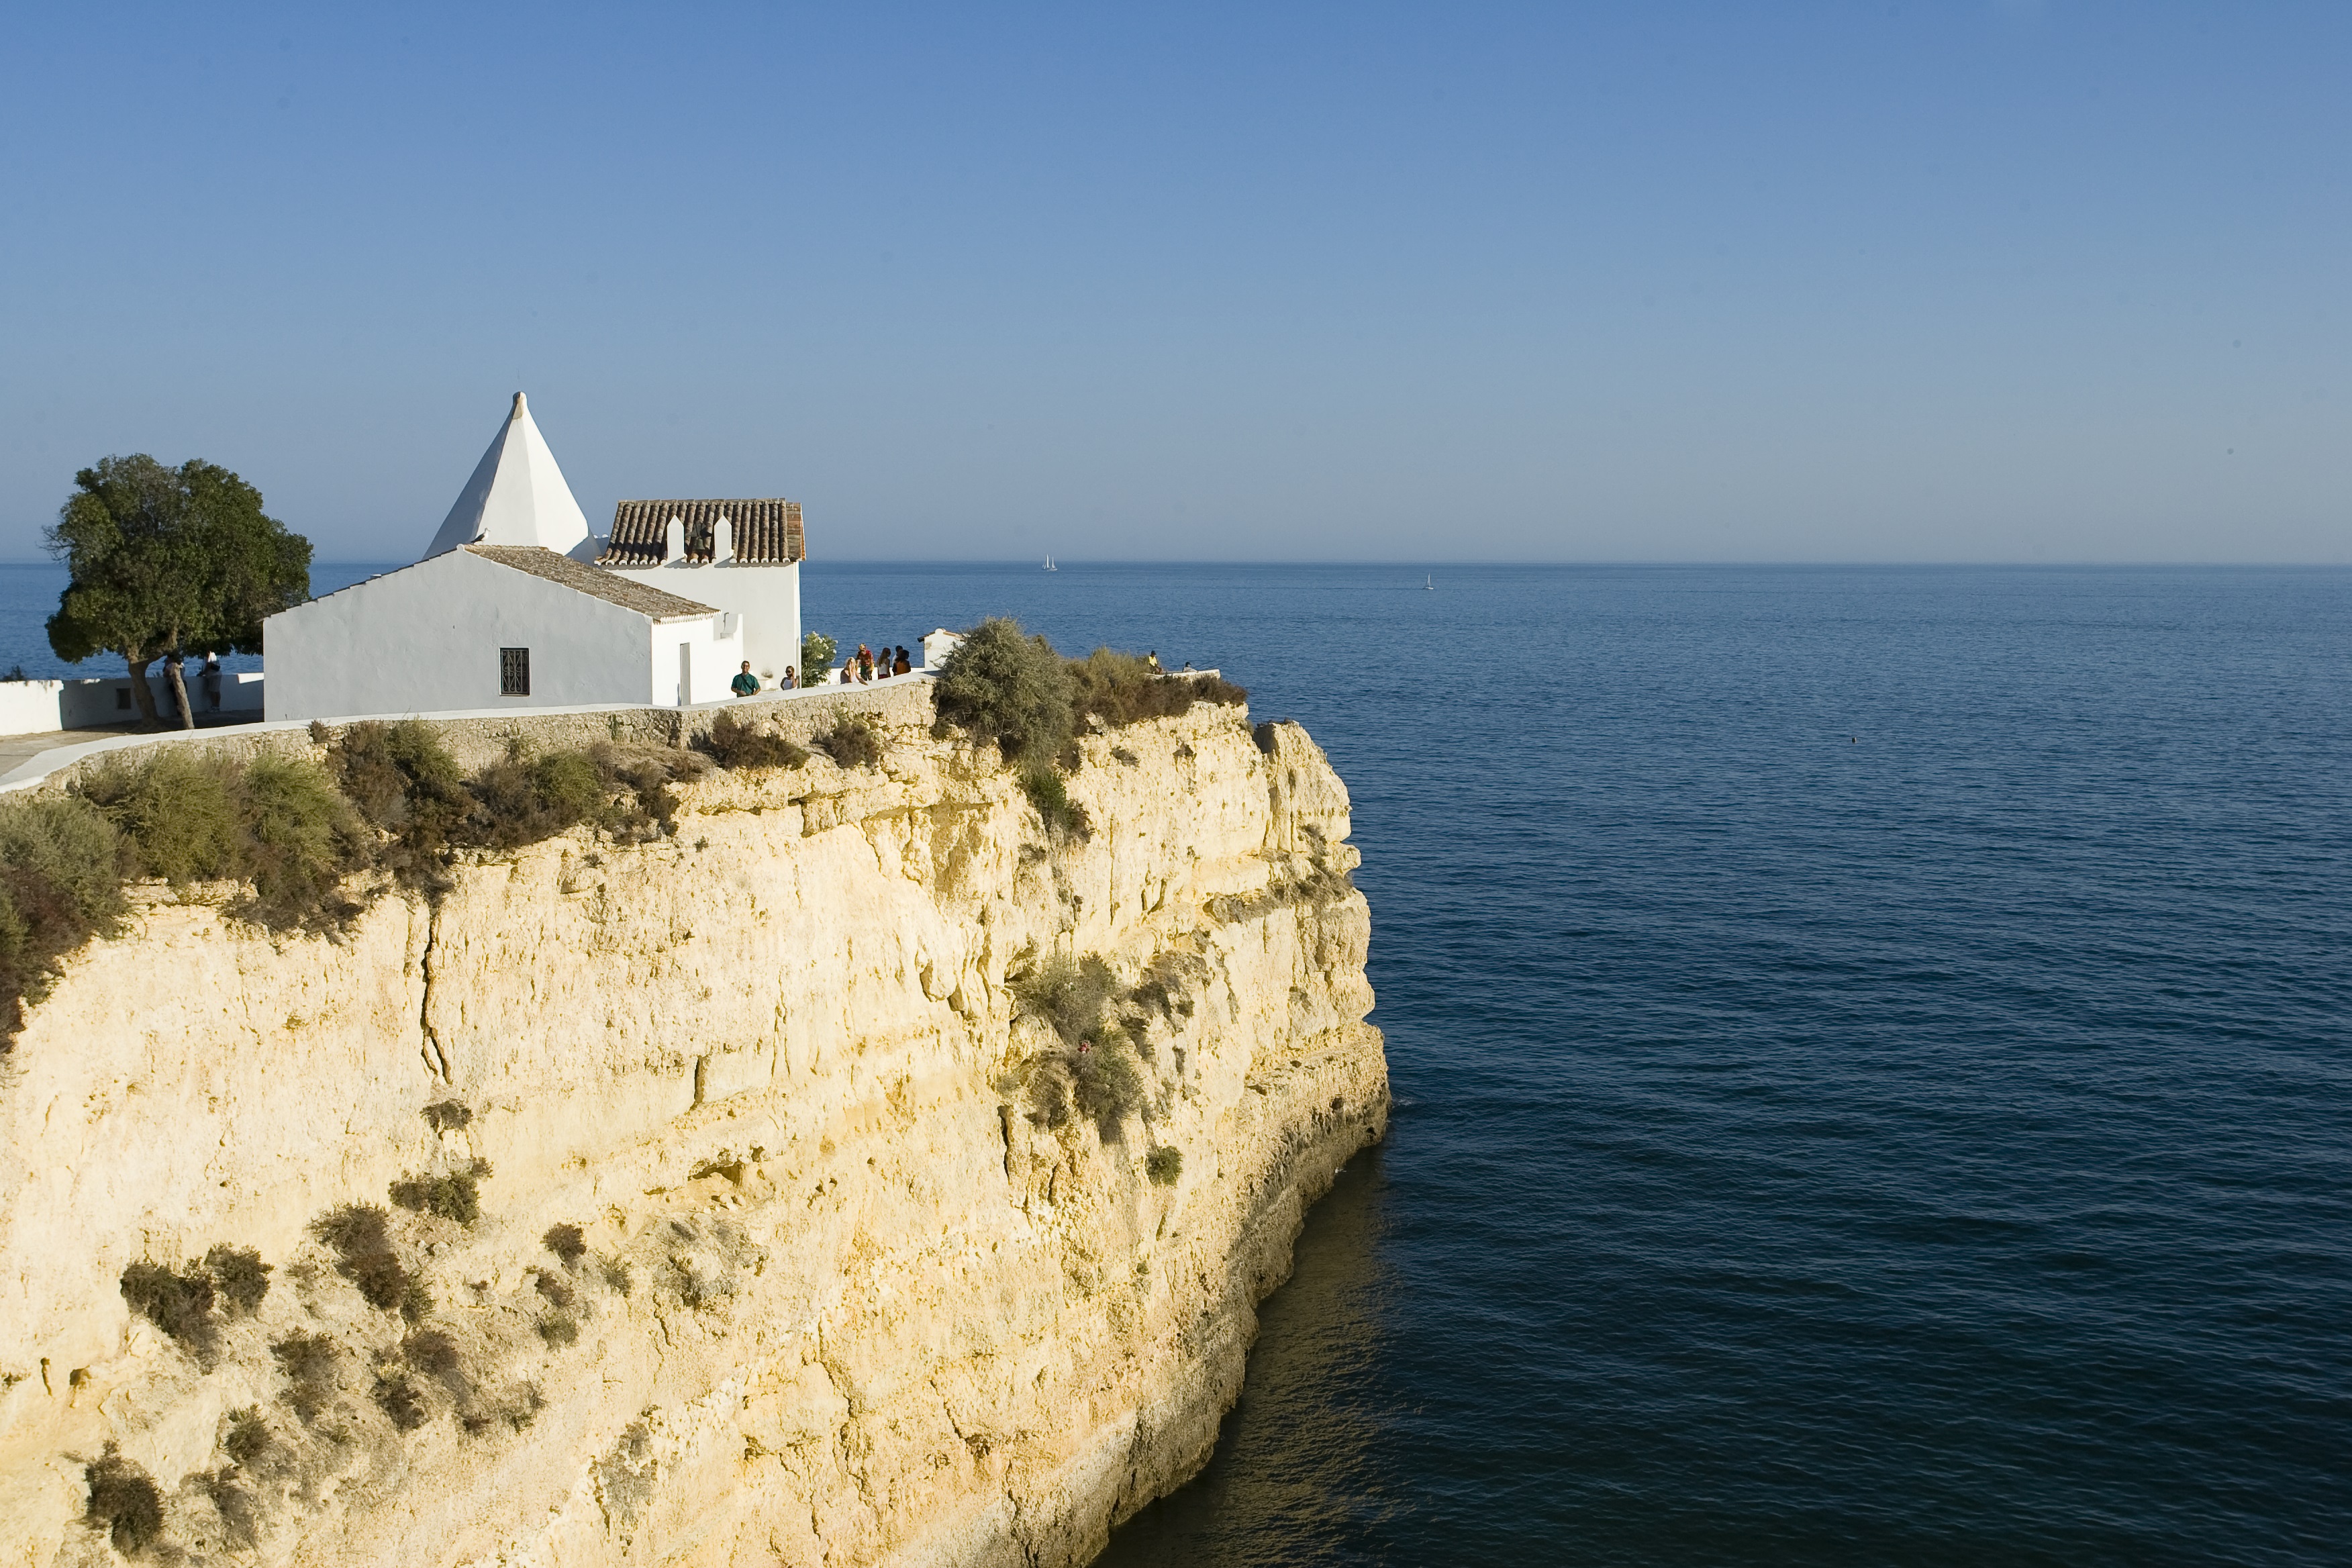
x=516, y=603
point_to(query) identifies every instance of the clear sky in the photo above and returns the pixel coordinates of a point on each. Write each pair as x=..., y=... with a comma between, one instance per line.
x=1986, y=280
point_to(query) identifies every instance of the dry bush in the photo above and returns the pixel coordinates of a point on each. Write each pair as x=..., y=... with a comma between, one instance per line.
x=452, y=1194
x=60, y=883
x=1068, y=994
x=177, y=812
x=124, y=1501
x=298, y=839
x=248, y=1438
x=309, y=1363
x=736, y=743
x=395, y=1394
x=1121, y=689
x=1107, y=1082
x=405, y=783
x=364, y=1255
x=853, y=742
x=240, y=1277
x=1164, y=1165
x=566, y=1242
x=1063, y=817
x=181, y=1304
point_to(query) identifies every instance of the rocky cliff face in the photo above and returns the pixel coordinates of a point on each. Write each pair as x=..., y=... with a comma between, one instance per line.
x=852, y=1281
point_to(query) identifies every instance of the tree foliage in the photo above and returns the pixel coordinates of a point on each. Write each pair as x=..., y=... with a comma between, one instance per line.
x=167, y=559
x=1005, y=685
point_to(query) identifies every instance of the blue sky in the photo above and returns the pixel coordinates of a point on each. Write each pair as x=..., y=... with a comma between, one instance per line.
x=1976, y=281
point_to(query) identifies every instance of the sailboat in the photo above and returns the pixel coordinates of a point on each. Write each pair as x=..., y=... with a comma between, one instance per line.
x=1430, y=583
x=1049, y=565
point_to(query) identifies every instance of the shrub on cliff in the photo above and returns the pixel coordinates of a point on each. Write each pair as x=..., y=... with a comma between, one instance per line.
x=734, y=743
x=1063, y=817
x=405, y=783
x=298, y=838
x=566, y=1242
x=276, y=823
x=452, y=1194
x=364, y=1254
x=124, y=1501
x=60, y=881
x=1164, y=1165
x=309, y=1362
x=1005, y=687
x=176, y=811
x=1107, y=1081
x=1066, y=994
x=1121, y=689
x=853, y=742
x=181, y=1304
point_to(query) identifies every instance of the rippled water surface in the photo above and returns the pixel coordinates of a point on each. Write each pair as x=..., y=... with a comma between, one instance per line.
x=1873, y=1052
x=1874, y=1060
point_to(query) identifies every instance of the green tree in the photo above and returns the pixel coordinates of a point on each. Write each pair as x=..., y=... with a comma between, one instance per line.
x=169, y=561
x=1005, y=685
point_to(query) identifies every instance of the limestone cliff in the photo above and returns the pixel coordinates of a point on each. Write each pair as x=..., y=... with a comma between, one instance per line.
x=846, y=1287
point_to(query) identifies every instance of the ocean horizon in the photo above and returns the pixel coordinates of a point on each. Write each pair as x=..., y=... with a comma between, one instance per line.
x=1871, y=1050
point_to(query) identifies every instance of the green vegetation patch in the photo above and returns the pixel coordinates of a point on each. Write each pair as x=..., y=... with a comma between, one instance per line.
x=1121, y=689
x=60, y=883
x=1164, y=1165
x=1004, y=687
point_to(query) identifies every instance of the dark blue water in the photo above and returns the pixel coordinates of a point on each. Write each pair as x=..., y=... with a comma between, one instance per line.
x=1873, y=1059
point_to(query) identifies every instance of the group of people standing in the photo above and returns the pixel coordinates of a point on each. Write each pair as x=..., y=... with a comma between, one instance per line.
x=870, y=665
x=866, y=667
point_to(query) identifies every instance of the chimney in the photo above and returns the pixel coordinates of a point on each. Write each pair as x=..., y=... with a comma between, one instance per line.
x=722, y=541
x=673, y=543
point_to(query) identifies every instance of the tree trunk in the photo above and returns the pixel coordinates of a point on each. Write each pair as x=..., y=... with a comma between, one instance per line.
x=140, y=691
x=180, y=692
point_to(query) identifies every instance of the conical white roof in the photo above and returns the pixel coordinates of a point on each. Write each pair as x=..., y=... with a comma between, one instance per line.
x=516, y=495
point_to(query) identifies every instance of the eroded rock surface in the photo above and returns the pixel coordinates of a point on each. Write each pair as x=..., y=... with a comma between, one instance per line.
x=843, y=1290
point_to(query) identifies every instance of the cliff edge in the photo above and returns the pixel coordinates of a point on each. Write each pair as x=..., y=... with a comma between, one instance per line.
x=748, y=1196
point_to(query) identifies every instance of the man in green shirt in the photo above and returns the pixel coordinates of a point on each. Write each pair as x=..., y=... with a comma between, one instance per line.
x=746, y=683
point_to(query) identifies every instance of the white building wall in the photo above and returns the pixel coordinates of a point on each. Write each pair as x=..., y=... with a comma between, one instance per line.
x=714, y=649
x=425, y=638
x=766, y=597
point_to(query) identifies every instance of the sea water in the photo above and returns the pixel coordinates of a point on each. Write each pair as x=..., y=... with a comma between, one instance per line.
x=1872, y=1053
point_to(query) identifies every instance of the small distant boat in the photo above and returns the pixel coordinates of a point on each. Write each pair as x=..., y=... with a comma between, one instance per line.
x=1049, y=565
x=1430, y=583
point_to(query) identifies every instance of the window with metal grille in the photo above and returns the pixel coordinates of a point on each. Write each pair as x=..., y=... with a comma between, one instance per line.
x=514, y=672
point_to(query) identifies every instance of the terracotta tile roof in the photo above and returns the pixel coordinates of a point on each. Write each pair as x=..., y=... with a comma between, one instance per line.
x=613, y=589
x=767, y=532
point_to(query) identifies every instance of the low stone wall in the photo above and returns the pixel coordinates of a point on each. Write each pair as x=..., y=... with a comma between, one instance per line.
x=477, y=739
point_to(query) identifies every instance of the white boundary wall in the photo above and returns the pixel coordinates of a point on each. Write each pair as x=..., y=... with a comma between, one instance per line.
x=85, y=703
